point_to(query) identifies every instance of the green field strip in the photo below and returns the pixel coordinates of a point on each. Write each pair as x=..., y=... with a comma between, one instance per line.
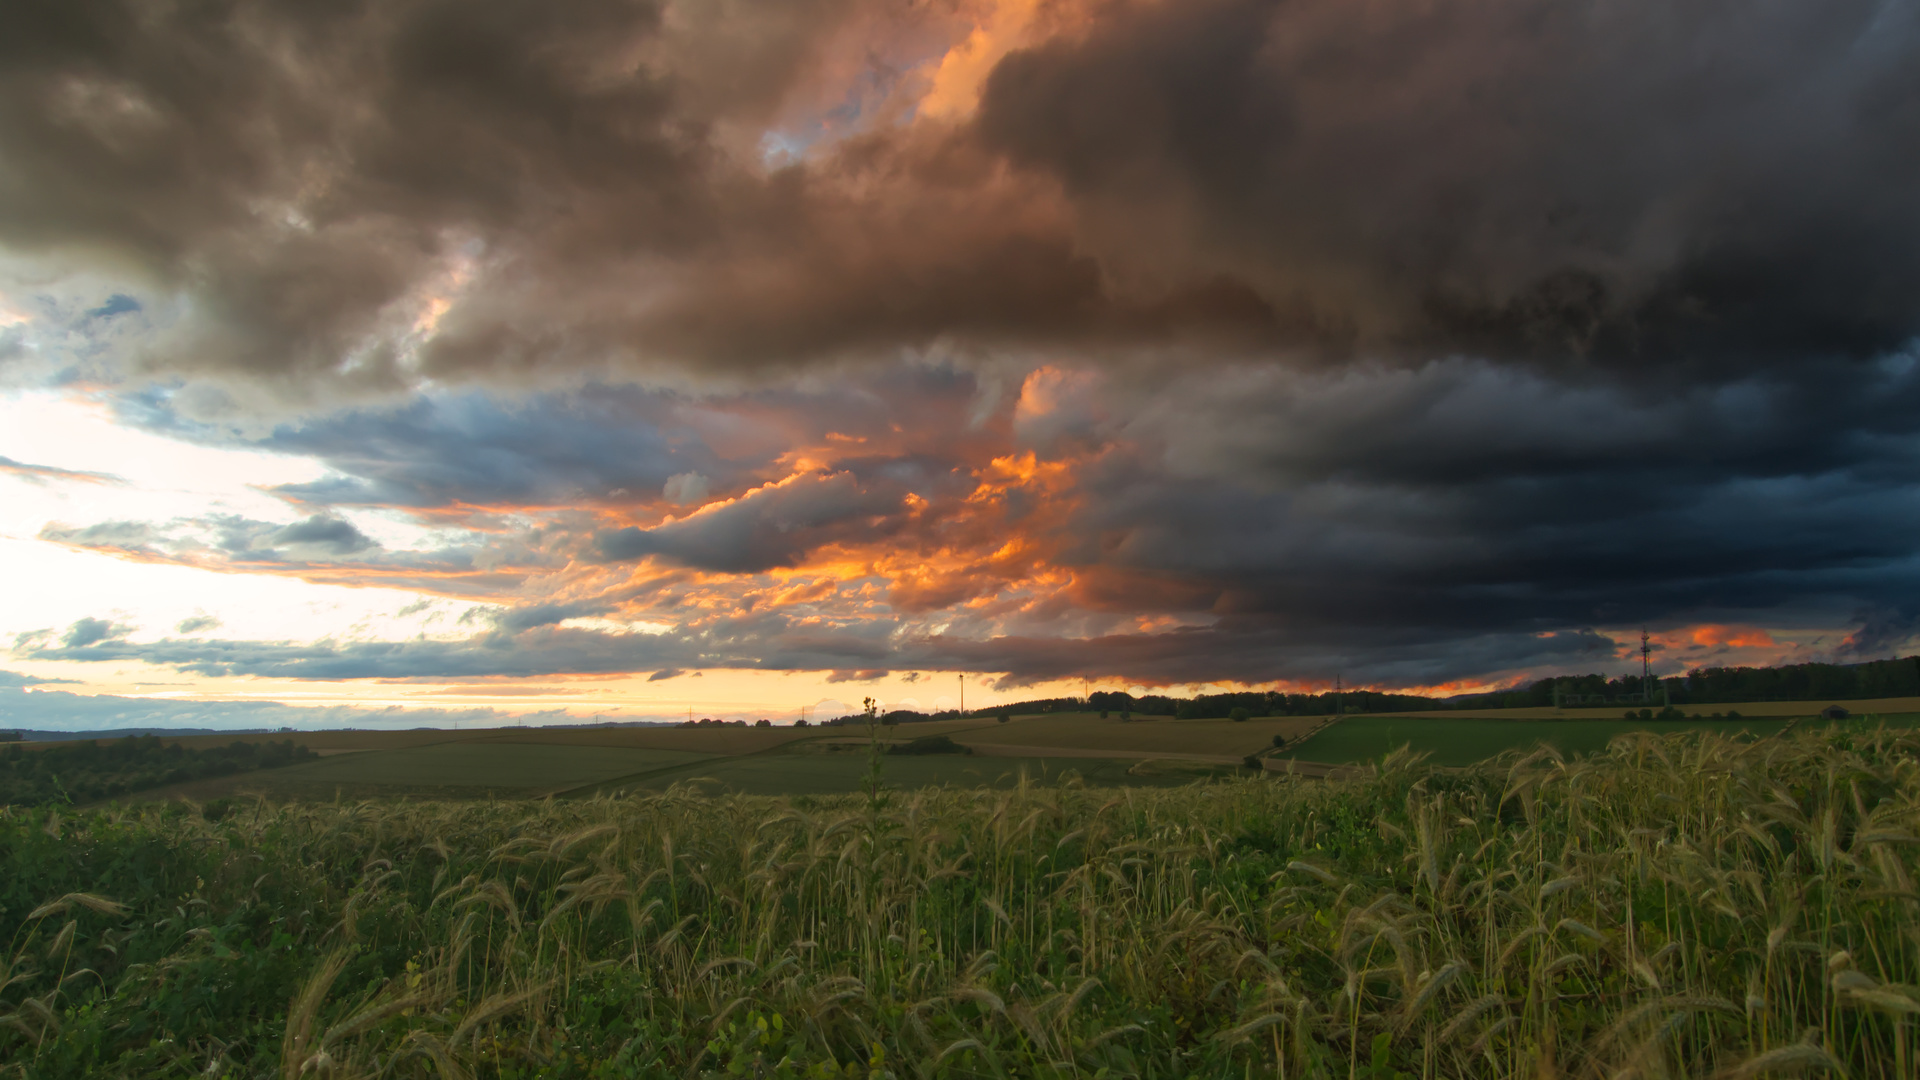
x=1465, y=740
x=477, y=764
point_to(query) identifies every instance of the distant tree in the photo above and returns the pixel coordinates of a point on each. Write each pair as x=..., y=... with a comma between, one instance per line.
x=1103, y=714
x=802, y=723
x=1279, y=741
x=1126, y=715
x=1646, y=714
x=1238, y=715
x=1252, y=761
x=1003, y=718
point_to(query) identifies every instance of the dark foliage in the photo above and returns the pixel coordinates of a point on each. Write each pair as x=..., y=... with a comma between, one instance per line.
x=931, y=744
x=87, y=770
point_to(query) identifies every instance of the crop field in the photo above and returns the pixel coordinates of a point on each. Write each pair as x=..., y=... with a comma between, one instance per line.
x=842, y=773
x=1675, y=905
x=507, y=767
x=1156, y=735
x=1082, y=747
x=1871, y=706
x=1451, y=740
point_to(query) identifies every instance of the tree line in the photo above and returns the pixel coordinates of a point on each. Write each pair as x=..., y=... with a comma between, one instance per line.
x=1701, y=686
x=85, y=770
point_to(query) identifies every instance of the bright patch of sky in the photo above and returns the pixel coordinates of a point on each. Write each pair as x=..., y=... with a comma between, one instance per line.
x=139, y=477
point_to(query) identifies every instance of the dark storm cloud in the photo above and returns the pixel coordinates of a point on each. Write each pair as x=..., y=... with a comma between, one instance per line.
x=1467, y=495
x=1623, y=182
x=855, y=653
x=772, y=526
x=595, y=445
x=603, y=443
x=1417, y=337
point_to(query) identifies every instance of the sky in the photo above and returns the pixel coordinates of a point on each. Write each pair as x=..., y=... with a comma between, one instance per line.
x=417, y=362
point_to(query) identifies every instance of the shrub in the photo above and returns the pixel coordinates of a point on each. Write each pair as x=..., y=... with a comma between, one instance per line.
x=1238, y=715
x=1003, y=718
x=930, y=744
x=1279, y=741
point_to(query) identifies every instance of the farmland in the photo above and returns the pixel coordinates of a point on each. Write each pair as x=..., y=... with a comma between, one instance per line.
x=1046, y=748
x=1679, y=904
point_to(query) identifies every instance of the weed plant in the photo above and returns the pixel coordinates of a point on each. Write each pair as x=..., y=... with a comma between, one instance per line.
x=1679, y=905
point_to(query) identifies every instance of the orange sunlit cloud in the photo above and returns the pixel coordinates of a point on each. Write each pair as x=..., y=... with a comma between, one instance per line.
x=1731, y=636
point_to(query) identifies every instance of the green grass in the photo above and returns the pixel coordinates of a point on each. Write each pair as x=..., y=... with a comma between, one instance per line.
x=842, y=773
x=1679, y=905
x=477, y=765
x=1462, y=741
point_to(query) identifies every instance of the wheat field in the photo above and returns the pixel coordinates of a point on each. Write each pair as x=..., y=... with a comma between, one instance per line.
x=1677, y=906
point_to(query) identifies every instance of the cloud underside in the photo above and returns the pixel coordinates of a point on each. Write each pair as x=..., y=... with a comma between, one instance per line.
x=1226, y=340
x=1455, y=521
x=1250, y=656
x=384, y=192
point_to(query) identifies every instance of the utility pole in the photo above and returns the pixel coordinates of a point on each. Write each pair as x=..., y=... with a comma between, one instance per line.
x=1646, y=668
x=963, y=693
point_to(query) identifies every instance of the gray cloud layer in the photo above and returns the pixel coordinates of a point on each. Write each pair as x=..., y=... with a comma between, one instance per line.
x=1416, y=338
x=1630, y=184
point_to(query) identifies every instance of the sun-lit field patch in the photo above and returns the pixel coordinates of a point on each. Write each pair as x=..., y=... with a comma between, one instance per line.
x=1452, y=740
x=1678, y=905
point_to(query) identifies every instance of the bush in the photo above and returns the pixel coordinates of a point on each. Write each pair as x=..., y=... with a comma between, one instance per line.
x=1003, y=718
x=930, y=744
x=1251, y=761
x=1646, y=714
x=1279, y=741
x=1238, y=716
